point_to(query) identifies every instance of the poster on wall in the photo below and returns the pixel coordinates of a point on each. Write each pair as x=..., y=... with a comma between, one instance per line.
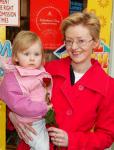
x=10, y=12
x=103, y=51
x=5, y=55
x=45, y=20
x=76, y=5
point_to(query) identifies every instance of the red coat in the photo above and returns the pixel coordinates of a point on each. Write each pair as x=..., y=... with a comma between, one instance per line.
x=87, y=105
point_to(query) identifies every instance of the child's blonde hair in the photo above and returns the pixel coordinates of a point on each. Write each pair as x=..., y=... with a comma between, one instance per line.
x=22, y=41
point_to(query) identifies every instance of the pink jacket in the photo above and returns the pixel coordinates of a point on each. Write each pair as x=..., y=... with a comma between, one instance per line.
x=84, y=110
x=30, y=86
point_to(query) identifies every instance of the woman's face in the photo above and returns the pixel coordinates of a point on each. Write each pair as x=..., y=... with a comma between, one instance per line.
x=79, y=43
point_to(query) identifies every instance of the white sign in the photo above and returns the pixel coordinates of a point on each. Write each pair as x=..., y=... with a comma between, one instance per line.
x=10, y=12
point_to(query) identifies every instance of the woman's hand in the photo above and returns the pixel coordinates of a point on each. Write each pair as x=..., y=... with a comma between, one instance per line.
x=22, y=128
x=59, y=137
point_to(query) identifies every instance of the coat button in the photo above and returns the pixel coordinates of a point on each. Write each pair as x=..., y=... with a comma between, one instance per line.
x=69, y=112
x=81, y=87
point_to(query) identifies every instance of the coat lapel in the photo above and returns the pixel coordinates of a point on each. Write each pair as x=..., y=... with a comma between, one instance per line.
x=70, y=92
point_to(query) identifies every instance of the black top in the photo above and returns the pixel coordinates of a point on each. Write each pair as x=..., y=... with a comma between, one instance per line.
x=72, y=77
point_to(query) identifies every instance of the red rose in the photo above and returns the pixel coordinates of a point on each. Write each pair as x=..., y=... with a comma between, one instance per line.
x=47, y=81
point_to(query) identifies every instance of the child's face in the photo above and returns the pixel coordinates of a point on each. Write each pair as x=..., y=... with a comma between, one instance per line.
x=31, y=57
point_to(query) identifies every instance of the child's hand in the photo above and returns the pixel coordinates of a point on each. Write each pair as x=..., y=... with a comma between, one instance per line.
x=50, y=106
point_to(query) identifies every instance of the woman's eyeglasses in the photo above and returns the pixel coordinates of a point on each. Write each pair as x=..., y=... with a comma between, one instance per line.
x=80, y=43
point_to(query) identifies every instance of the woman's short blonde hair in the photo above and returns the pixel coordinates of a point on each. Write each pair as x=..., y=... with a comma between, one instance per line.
x=22, y=41
x=86, y=19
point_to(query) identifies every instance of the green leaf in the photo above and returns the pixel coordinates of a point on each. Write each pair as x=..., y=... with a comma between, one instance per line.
x=50, y=118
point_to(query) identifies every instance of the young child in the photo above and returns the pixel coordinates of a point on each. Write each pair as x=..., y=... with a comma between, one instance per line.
x=25, y=81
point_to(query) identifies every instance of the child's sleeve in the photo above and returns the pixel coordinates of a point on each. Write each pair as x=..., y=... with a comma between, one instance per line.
x=12, y=95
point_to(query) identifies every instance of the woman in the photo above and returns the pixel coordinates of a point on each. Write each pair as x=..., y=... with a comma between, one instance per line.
x=83, y=94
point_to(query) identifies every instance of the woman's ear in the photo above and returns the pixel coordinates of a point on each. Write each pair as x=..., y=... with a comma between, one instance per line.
x=96, y=44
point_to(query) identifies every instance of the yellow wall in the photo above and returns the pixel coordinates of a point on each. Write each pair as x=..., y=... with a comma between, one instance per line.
x=2, y=105
x=103, y=9
x=2, y=126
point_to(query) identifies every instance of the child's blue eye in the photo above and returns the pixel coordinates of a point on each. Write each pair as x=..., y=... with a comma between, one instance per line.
x=26, y=54
x=36, y=54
